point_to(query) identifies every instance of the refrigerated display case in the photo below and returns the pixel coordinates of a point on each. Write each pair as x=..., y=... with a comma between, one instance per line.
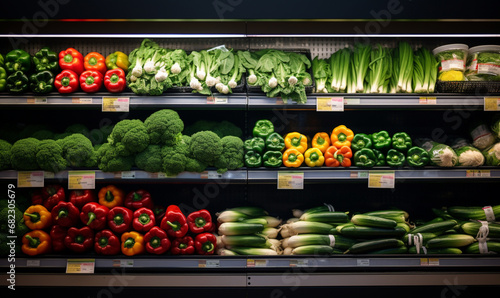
x=437, y=115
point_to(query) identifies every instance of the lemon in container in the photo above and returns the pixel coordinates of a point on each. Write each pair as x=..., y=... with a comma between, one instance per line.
x=452, y=60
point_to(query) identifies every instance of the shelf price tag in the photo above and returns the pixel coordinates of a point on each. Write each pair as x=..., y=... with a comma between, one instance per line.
x=290, y=180
x=79, y=266
x=299, y=263
x=477, y=173
x=210, y=175
x=82, y=100
x=381, y=179
x=115, y=104
x=427, y=100
x=217, y=100
x=256, y=263
x=37, y=100
x=492, y=103
x=208, y=263
x=30, y=179
x=123, y=263
x=128, y=174
x=329, y=104
x=363, y=262
x=81, y=180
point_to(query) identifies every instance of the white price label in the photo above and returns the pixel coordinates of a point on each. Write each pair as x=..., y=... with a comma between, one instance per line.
x=128, y=175
x=363, y=262
x=81, y=180
x=37, y=100
x=30, y=179
x=217, y=100
x=330, y=104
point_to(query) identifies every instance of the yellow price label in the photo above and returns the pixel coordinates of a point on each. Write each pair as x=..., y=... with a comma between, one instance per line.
x=478, y=173
x=81, y=180
x=381, y=179
x=492, y=103
x=290, y=180
x=79, y=266
x=115, y=104
x=330, y=104
x=30, y=179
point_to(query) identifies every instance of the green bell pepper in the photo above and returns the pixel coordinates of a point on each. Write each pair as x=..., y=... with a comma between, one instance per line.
x=17, y=60
x=381, y=140
x=395, y=158
x=263, y=128
x=45, y=59
x=365, y=158
x=380, y=157
x=417, y=157
x=272, y=159
x=401, y=141
x=361, y=141
x=275, y=142
x=3, y=79
x=42, y=82
x=253, y=159
x=17, y=82
x=257, y=144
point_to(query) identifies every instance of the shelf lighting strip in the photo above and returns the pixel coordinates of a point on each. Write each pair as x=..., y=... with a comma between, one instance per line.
x=229, y=35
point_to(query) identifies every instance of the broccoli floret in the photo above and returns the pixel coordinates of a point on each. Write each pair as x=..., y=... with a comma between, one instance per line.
x=164, y=127
x=43, y=134
x=23, y=154
x=200, y=125
x=108, y=159
x=232, y=154
x=49, y=156
x=226, y=128
x=129, y=136
x=150, y=160
x=78, y=150
x=77, y=128
x=5, y=160
x=206, y=146
x=173, y=160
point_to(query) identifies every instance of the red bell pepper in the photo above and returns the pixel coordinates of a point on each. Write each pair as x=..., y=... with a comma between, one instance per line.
x=138, y=199
x=205, y=243
x=183, y=246
x=200, y=221
x=80, y=197
x=335, y=157
x=65, y=214
x=120, y=219
x=66, y=81
x=71, y=59
x=159, y=212
x=94, y=215
x=49, y=196
x=144, y=220
x=106, y=243
x=91, y=81
x=174, y=222
x=157, y=241
x=95, y=61
x=57, y=235
x=79, y=240
x=114, y=80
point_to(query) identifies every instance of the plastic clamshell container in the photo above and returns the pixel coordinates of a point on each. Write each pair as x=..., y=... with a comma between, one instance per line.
x=483, y=63
x=451, y=56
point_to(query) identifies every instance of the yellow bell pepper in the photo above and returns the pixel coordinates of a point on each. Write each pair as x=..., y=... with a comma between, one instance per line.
x=314, y=157
x=37, y=217
x=132, y=243
x=321, y=140
x=292, y=158
x=296, y=140
x=117, y=60
x=341, y=136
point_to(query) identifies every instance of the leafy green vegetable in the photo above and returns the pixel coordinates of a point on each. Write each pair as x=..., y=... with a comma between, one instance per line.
x=380, y=70
x=360, y=61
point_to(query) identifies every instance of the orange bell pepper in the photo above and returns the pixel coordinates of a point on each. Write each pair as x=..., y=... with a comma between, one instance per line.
x=341, y=136
x=321, y=140
x=335, y=157
x=111, y=196
x=292, y=158
x=36, y=242
x=95, y=61
x=132, y=243
x=37, y=217
x=297, y=141
x=314, y=157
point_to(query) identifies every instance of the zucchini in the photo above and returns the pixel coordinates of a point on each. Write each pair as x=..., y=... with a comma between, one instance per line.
x=326, y=217
x=244, y=240
x=472, y=228
x=373, y=221
x=336, y=241
x=389, y=213
x=450, y=240
x=467, y=213
x=435, y=227
x=444, y=251
x=493, y=247
x=354, y=231
x=373, y=245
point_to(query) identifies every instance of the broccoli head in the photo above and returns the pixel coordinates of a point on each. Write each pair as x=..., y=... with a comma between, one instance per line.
x=199, y=125
x=226, y=128
x=173, y=160
x=232, y=154
x=78, y=150
x=23, y=154
x=206, y=146
x=49, y=156
x=108, y=159
x=5, y=162
x=164, y=127
x=129, y=136
x=149, y=160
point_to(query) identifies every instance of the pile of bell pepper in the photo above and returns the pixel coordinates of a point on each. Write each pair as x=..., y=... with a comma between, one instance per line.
x=264, y=147
x=111, y=222
x=47, y=71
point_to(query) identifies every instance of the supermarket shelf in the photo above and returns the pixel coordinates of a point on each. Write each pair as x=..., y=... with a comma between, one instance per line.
x=376, y=101
x=263, y=174
x=81, y=100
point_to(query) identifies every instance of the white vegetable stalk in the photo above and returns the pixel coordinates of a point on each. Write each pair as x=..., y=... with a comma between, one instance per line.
x=292, y=80
x=232, y=84
x=195, y=84
x=252, y=79
x=133, y=78
x=219, y=87
x=161, y=75
x=176, y=68
x=225, y=89
x=273, y=82
x=210, y=81
x=306, y=81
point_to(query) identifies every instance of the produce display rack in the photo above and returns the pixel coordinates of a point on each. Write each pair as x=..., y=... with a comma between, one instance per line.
x=258, y=275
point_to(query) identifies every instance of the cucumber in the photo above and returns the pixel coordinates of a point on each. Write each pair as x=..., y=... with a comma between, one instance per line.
x=373, y=221
x=472, y=228
x=373, y=245
x=493, y=247
x=435, y=227
x=450, y=240
x=361, y=232
x=467, y=213
x=326, y=217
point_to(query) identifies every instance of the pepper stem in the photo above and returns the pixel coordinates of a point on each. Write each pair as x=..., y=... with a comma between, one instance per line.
x=114, y=78
x=182, y=245
x=320, y=141
x=208, y=246
x=292, y=157
x=416, y=157
x=175, y=225
x=296, y=141
x=34, y=217
x=109, y=196
x=200, y=222
x=118, y=219
x=144, y=219
x=91, y=217
x=342, y=137
x=136, y=197
x=33, y=242
x=103, y=242
x=62, y=213
x=155, y=242
x=129, y=243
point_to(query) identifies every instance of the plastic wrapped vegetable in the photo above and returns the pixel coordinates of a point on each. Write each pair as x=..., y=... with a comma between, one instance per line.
x=441, y=155
x=482, y=137
x=469, y=156
x=492, y=155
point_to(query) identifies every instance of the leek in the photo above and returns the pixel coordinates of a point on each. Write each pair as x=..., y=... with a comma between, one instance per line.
x=360, y=59
x=379, y=69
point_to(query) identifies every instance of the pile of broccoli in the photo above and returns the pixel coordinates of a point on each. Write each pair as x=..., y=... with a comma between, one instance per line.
x=160, y=143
